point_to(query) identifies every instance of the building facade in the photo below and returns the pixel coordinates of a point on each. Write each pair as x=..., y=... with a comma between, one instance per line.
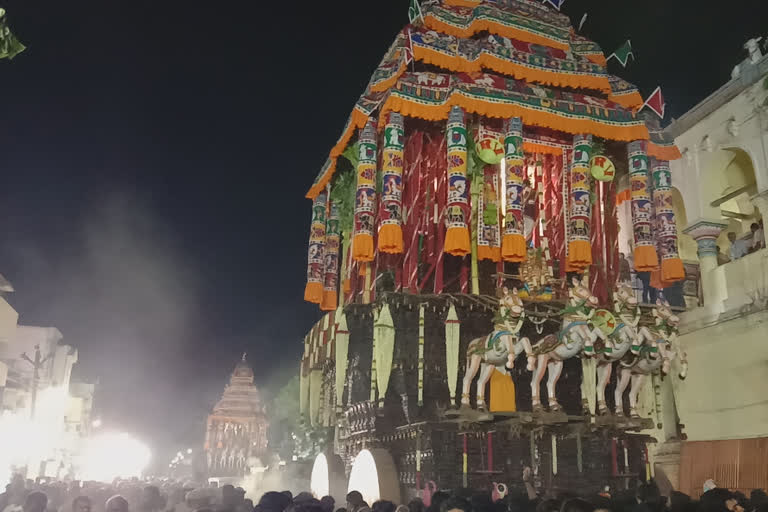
x=236, y=433
x=723, y=183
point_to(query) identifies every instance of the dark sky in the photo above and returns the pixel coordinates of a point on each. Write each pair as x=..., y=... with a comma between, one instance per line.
x=154, y=157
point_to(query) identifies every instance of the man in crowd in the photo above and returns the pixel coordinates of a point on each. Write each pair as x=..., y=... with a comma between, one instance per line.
x=758, y=237
x=739, y=247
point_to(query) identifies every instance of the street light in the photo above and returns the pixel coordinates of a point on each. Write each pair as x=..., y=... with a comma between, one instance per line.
x=189, y=451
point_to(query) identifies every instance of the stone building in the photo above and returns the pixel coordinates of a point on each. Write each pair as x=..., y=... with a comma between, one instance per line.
x=236, y=432
x=723, y=182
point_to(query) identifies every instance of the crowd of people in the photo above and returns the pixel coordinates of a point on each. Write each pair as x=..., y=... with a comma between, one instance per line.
x=135, y=496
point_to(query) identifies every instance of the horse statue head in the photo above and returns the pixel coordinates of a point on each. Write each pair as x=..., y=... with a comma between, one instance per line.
x=624, y=295
x=580, y=291
x=511, y=302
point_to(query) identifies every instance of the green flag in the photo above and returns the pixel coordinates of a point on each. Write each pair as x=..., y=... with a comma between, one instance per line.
x=9, y=45
x=622, y=53
x=414, y=11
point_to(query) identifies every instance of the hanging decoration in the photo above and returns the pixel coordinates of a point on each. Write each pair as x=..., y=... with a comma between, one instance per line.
x=457, y=208
x=489, y=144
x=602, y=169
x=383, y=346
x=666, y=229
x=622, y=53
x=313, y=292
x=422, y=307
x=488, y=232
x=579, y=247
x=10, y=46
x=331, y=256
x=342, y=350
x=452, y=330
x=513, y=245
x=365, y=197
x=390, y=215
x=646, y=259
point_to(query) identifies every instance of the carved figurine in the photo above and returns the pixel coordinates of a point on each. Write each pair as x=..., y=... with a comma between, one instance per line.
x=498, y=349
x=624, y=333
x=553, y=349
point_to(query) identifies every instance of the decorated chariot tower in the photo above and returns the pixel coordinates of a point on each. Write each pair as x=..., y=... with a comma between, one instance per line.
x=465, y=245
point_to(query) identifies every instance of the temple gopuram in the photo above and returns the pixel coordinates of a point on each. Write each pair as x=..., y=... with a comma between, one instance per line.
x=465, y=245
x=237, y=429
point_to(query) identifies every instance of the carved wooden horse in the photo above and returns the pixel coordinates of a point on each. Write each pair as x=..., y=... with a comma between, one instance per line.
x=496, y=350
x=625, y=335
x=637, y=369
x=554, y=349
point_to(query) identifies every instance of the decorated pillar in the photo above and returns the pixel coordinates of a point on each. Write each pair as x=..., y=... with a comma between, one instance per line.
x=488, y=233
x=513, y=245
x=457, y=208
x=666, y=230
x=313, y=292
x=579, y=247
x=705, y=232
x=365, y=196
x=645, y=256
x=331, y=257
x=390, y=216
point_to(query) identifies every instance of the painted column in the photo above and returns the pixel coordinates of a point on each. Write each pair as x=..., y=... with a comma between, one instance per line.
x=705, y=232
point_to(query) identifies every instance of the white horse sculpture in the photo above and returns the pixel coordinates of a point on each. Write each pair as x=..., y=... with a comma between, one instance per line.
x=626, y=308
x=638, y=368
x=498, y=349
x=573, y=337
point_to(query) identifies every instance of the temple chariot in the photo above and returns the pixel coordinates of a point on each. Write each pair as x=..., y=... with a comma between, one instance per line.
x=464, y=246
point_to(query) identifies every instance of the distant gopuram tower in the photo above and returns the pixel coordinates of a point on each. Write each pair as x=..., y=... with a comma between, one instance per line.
x=237, y=428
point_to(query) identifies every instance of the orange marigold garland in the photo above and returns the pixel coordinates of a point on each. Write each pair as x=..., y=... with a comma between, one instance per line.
x=457, y=206
x=365, y=196
x=513, y=245
x=579, y=247
x=313, y=292
x=390, y=215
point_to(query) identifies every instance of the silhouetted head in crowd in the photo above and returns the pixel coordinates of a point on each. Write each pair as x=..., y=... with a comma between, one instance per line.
x=355, y=501
x=455, y=504
x=576, y=505
x=229, y=496
x=35, y=502
x=81, y=504
x=274, y=502
x=328, y=503
x=116, y=504
x=416, y=505
x=303, y=504
x=383, y=506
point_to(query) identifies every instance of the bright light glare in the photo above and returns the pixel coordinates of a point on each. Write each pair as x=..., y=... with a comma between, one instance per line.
x=96, y=423
x=189, y=451
x=30, y=441
x=114, y=455
x=364, y=477
x=319, y=482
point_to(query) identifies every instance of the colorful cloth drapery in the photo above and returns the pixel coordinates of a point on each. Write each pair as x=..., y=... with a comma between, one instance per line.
x=331, y=259
x=513, y=243
x=390, y=215
x=457, y=207
x=488, y=233
x=665, y=229
x=513, y=57
x=646, y=259
x=579, y=247
x=365, y=197
x=430, y=96
x=313, y=292
x=525, y=21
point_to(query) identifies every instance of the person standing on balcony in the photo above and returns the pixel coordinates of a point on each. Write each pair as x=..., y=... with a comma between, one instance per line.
x=722, y=258
x=739, y=248
x=758, y=237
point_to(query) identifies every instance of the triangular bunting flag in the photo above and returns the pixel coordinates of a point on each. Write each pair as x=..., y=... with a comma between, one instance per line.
x=555, y=3
x=622, y=53
x=414, y=12
x=583, y=19
x=656, y=103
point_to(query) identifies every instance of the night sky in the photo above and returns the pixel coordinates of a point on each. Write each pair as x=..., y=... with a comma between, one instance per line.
x=154, y=158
